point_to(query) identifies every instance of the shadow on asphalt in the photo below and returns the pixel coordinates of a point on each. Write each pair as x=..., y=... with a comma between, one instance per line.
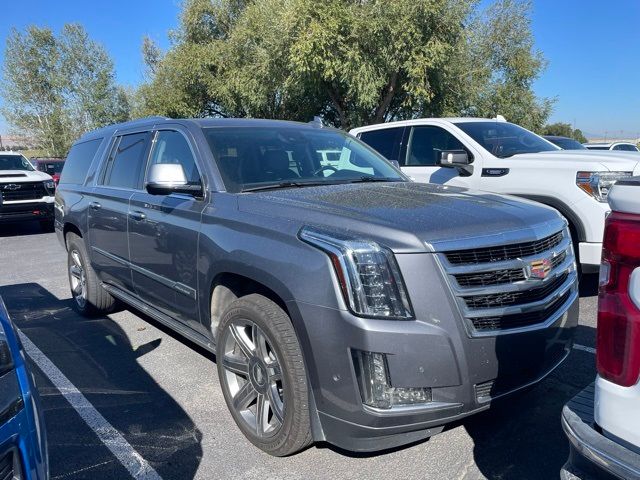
x=97, y=357
x=22, y=228
x=520, y=436
x=589, y=285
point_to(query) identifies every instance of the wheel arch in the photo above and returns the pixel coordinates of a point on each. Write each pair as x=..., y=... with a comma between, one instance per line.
x=70, y=227
x=576, y=226
x=227, y=286
x=232, y=283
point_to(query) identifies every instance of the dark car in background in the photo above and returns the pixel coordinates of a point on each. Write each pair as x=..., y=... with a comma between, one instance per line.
x=52, y=166
x=23, y=449
x=565, y=143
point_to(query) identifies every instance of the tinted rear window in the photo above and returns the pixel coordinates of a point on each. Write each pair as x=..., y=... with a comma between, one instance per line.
x=386, y=141
x=78, y=162
x=125, y=165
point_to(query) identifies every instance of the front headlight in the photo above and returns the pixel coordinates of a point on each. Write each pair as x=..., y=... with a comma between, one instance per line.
x=6, y=362
x=368, y=275
x=598, y=184
x=50, y=186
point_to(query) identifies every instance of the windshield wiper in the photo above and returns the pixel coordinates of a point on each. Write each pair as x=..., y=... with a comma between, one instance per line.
x=367, y=178
x=276, y=186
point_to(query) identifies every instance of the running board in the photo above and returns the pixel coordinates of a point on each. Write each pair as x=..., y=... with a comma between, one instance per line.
x=166, y=320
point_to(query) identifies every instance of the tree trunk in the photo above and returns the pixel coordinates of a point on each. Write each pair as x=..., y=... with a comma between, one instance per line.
x=390, y=91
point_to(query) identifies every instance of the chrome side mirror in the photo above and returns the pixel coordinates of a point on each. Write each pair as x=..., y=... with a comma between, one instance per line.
x=168, y=178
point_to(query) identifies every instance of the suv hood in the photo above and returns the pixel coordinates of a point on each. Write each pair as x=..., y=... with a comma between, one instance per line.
x=584, y=160
x=405, y=216
x=21, y=176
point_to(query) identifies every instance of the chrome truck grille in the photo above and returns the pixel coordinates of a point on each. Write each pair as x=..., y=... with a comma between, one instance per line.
x=513, y=287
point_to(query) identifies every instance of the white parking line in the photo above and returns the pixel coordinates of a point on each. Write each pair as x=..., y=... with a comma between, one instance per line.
x=577, y=346
x=110, y=437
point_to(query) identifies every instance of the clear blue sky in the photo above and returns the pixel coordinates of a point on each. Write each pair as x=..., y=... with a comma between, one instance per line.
x=593, y=49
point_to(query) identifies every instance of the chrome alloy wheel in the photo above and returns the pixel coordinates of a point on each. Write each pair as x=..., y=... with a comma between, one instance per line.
x=78, y=279
x=254, y=377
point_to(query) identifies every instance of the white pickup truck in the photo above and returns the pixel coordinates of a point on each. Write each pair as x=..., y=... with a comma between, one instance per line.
x=603, y=422
x=497, y=156
x=25, y=193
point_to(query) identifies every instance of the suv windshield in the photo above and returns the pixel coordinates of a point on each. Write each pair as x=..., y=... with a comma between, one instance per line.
x=260, y=158
x=15, y=162
x=568, y=143
x=504, y=139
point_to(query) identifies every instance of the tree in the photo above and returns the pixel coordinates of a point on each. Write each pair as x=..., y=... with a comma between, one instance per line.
x=354, y=62
x=56, y=88
x=564, y=130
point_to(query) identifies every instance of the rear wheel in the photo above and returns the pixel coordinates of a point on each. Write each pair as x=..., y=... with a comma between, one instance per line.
x=87, y=291
x=262, y=375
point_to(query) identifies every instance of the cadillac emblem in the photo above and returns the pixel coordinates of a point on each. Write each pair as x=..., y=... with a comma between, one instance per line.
x=540, y=269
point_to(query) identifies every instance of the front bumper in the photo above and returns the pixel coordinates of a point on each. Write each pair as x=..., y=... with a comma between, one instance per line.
x=592, y=455
x=18, y=212
x=432, y=351
x=590, y=255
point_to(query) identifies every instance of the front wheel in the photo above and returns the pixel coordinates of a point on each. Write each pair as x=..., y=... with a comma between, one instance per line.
x=263, y=376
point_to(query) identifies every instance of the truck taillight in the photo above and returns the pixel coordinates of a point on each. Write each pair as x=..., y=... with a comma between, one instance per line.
x=618, y=343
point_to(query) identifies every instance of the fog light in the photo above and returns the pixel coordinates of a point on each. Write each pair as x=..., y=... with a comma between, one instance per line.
x=373, y=379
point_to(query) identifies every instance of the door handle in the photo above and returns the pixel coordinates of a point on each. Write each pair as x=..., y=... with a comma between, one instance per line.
x=95, y=205
x=495, y=172
x=138, y=216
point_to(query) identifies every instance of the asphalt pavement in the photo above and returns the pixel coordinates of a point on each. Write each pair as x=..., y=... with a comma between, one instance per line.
x=140, y=401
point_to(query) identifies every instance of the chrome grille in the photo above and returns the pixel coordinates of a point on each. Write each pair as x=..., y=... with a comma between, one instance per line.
x=515, y=298
x=508, y=288
x=7, y=471
x=499, y=277
x=518, y=320
x=506, y=252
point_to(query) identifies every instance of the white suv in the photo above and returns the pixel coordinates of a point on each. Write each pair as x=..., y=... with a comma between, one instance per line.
x=605, y=434
x=25, y=193
x=614, y=146
x=497, y=156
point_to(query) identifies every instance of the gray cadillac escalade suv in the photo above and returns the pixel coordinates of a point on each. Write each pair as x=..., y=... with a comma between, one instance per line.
x=344, y=302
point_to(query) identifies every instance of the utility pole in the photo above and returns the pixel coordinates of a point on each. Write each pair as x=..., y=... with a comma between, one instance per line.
x=1, y=148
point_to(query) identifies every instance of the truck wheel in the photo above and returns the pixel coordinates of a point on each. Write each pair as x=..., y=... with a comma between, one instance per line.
x=263, y=376
x=89, y=295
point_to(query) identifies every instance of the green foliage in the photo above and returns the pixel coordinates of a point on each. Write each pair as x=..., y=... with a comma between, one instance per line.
x=354, y=62
x=56, y=88
x=564, y=130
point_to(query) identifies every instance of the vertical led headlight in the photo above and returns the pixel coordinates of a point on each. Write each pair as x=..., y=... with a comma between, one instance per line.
x=368, y=275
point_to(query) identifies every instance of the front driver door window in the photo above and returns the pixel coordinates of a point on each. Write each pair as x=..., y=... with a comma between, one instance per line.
x=426, y=143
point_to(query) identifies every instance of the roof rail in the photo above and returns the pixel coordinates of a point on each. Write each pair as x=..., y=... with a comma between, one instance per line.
x=127, y=124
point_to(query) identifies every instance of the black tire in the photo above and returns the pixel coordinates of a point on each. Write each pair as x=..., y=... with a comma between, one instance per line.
x=96, y=300
x=294, y=431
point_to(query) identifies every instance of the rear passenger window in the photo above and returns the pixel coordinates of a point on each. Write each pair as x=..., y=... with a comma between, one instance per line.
x=125, y=163
x=386, y=141
x=78, y=162
x=171, y=147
